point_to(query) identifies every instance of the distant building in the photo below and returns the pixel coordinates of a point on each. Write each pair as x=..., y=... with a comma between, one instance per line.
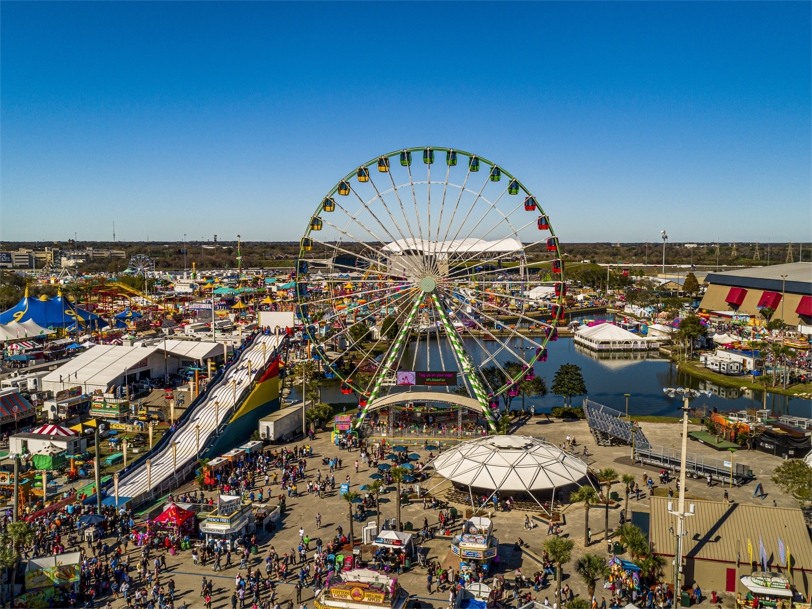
x=785, y=288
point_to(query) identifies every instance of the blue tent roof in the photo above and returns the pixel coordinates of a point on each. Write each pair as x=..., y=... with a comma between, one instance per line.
x=129, y=314
x=57, y=312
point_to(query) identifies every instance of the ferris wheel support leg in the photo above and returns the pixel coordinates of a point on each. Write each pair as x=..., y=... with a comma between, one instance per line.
x=400, y=341
x=467, y=366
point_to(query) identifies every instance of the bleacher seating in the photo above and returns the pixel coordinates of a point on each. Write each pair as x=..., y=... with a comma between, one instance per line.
x=609, y=428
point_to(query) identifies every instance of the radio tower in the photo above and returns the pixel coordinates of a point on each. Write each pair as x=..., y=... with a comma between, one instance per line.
x=789, y=253
x=733, y=251
x=757, y=255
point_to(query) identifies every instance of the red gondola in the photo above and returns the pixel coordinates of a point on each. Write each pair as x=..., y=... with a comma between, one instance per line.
x=362, y=402
x=625, y=272
x=560, y=289
x=552, y=334
x=552, y=244
x=544, y=223
x=513, y=391
x=346, y=389
x=529, y=375
x=556, y=267
x=530, y=204
x=558, y=312
x=543, y=356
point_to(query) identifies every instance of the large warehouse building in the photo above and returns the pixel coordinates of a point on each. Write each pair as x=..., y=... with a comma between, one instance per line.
x=785, y=288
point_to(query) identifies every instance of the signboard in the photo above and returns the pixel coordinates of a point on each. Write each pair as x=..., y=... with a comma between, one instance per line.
x=436, y=378
x=478, y=539
x=728, y=464
x=344, y=489
x=343, y=422
x=358, y=592
x=472, y=554
x=64, y=394
x=440, y=378
x=228, y=504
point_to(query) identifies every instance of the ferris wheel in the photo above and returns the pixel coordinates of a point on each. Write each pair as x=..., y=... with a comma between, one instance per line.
x=420, y=269
x=140, y=265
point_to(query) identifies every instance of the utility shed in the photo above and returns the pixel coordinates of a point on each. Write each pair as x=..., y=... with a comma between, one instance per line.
x=715, y=553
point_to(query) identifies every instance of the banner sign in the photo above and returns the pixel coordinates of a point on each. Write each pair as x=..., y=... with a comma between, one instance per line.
x=433, y=379
x=228, y=504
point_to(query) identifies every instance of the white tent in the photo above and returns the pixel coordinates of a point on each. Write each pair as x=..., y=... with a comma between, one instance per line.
x=395, y=539
x=510, y=464
x=609, y=337
x=21, y=330
x=540, y=292
x=723, y=339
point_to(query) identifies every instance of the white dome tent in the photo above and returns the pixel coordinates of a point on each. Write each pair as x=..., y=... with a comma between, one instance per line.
x=511, y=464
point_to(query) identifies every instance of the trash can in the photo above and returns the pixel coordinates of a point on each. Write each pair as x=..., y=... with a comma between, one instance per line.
x=685, y=599
x=254, y=550
x=617, y=548
x=408, y=526
x=407, y=563
x=614, y=496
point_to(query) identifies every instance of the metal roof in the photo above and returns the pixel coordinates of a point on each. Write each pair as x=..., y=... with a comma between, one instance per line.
x=798, y=280
x=719, y=531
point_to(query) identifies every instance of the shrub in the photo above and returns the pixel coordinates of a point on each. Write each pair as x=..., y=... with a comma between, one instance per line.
x=566, y=412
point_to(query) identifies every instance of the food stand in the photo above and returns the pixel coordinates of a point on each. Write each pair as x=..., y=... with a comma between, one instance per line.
x=254, y=446
x=231, y=520
x=765, y=589
x=395, y=547
x=622, y=571
x=49, y=580
x=362, y=589
x=475, y=544
x=342, y=426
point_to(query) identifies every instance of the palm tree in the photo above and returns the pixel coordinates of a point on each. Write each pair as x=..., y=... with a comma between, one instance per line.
x=375, y=487
x=8, y=560
x=18, y=535
x=634, y=539
x=780, y=352
x=628, y=480
x=588, y=496
x=350, y=497
x=560, y=552
x=651, y=567
x=398, y=474
x=590, y=568
x=607, y=475
x=578, y=603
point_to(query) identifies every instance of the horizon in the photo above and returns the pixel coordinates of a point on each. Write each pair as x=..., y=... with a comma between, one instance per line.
x=623, y=119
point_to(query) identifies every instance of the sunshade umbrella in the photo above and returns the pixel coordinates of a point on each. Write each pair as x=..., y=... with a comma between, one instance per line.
x=364, y=487
x=91, y=519
x=431, y=448
x=414, y=457
x=407, y=466
x=392, y=457
x=384, y=467
x=400, y=449
x=376, y=477
x=409, y=479
x=357, y=500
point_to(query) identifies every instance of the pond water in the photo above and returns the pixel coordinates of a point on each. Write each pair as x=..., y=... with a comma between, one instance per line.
x=607, y=380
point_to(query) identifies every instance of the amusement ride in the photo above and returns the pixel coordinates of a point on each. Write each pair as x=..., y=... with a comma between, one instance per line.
x=420, y=247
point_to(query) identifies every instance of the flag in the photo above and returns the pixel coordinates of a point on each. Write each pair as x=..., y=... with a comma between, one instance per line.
x=750, y=550
x=789, y=558
x=782, y=552
x=763, y=553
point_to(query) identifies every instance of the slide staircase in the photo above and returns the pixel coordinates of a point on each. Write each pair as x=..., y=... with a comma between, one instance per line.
x=197, y=427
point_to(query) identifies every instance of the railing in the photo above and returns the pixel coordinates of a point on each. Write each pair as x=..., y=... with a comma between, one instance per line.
x=696, y=466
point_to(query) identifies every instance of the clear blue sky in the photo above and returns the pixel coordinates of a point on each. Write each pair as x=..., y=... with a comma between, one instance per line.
x=226, y=118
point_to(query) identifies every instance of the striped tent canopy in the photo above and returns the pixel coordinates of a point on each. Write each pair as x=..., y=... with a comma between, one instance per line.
x=14, y=405
x=54, y=430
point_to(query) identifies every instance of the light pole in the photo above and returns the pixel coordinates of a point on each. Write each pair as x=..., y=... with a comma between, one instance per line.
x=783, y=295
x=184, y=254
x=665, y=238
x=626, y=395
x=687, y=395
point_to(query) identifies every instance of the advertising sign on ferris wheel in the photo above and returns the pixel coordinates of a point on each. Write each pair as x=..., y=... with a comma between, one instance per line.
x=429, y=378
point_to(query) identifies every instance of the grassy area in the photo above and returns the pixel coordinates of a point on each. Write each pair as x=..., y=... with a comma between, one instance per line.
x=746, y=382
x=713, y=441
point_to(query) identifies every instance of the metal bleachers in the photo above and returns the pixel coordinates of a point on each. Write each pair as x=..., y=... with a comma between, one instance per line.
x=609, y=428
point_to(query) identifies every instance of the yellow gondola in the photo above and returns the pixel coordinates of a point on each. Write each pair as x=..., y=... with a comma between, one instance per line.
x=383, y=164
x=343, y=188
x=315, y=223
x=329, y=204
x=363, y=174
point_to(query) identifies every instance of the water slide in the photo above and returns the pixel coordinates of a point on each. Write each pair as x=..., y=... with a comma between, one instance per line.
x=217, y=406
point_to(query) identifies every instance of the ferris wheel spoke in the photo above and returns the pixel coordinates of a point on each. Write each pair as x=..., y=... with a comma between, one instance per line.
x=402, y=209
x=365, y=358
x=417, y=215
x=354, y=294
x=336, y=248
x=437, y=242
x=345, y=315
x=495, y=225
x=462, y=190
x=502, y=256
x=481, y=311
x=470, y=209
x=354, y=218
x=503, y=346
x=388, y=211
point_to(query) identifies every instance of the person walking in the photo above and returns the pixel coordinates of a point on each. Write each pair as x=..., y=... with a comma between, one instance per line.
x=298, y=588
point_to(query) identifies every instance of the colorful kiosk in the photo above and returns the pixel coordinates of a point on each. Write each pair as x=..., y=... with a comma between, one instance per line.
x=765, y=589
x=476, y=545
x=362, y=589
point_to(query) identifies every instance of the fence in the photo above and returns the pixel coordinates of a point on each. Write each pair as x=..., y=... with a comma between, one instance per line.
x=696, y=466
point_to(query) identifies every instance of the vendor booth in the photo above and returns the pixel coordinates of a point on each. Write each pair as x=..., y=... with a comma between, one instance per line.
x=394, y=549
x=49, y=580
x=622, y=574
x=176, y=518
x=475, y=545
x=362, y=589
x=765, y=589
x=231, y=520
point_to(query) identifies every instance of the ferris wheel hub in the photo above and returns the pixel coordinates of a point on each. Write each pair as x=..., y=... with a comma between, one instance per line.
x=428, y=284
